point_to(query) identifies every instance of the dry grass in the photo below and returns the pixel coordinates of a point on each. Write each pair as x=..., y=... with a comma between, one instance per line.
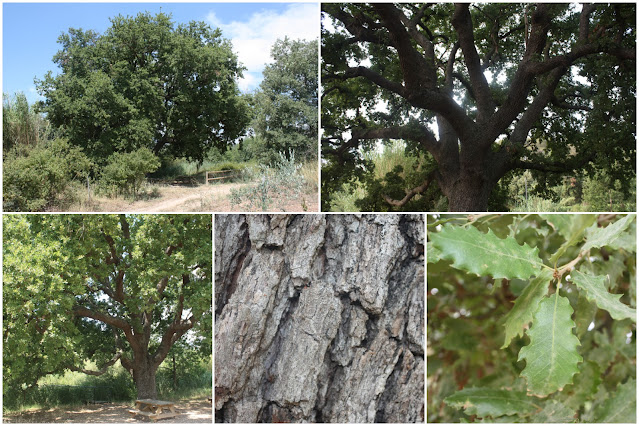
x=188, y=411
x=174, y=198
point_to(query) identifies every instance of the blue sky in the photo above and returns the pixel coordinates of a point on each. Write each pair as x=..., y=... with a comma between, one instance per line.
x=30, y=32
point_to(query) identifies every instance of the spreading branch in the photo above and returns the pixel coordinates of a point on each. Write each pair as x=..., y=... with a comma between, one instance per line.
x=102, y=370
x=411, y=193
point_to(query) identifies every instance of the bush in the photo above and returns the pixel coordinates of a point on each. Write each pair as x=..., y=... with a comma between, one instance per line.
x=282, y=180
x=125, y=171
x=33, y=182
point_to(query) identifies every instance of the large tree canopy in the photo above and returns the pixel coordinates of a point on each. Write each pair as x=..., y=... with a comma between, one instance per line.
x=286, y=104
x=102, y=288
x=486, y=89
x=146, y=83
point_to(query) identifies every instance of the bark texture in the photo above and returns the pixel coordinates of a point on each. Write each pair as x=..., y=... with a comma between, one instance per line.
x=319, y=318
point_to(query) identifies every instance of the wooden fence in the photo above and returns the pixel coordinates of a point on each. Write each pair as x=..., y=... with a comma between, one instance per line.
x=221, y=175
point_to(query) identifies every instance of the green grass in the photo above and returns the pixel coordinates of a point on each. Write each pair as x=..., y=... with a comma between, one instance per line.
x=392, y=155
x=72, y=388
x=181, y=167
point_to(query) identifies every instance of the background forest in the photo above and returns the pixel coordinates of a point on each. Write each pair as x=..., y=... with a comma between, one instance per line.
x=151, y=99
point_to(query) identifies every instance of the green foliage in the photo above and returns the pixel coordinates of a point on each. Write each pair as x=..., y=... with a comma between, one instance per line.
x=22, y=126
x=596, y=292
x=518, y=318
x=101, y=288
x=486, y=254
x=281, y=181
x=491, y=402
x=285, y=107
x=125, y=172
x=33, y=182
x=146, y=83
x=385, y=172
x=551, y=357
x=569, y=340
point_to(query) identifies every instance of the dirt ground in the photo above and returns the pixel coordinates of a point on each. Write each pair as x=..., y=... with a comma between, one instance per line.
x=189, y=411
x=203, y=198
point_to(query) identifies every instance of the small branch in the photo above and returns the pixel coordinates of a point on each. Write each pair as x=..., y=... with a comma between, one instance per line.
x=102, y=370
x=410, y=194
x=568, y=266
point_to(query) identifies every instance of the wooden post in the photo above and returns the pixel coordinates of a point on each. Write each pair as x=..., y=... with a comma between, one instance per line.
x=89, y=188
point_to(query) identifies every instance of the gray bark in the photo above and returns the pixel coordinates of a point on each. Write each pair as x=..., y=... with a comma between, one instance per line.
x=319, y=318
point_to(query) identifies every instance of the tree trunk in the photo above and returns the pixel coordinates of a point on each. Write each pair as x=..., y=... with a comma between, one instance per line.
x=144, y=378
x=469, y=193
x=319, y=318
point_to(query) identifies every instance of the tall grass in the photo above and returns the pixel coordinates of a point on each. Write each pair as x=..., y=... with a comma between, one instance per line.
x=309, y=173
x=391, y=155
x=73, y=388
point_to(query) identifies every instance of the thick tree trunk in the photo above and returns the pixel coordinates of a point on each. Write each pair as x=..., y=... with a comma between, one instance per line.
x=469, y=194
x=319, y=318
x=144, y=378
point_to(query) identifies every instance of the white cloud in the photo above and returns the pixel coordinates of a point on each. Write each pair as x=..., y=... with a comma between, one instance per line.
x=250, y=81
x=252, y=39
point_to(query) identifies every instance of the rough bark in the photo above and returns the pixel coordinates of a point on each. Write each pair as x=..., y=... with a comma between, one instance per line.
x=144, y=372
x=319, y=318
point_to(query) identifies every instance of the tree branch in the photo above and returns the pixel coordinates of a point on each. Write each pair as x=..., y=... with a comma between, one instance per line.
x=82, y=311
x=376, y=78
x=418, y=71
x=411, y=193
x=464, y=27
x=102, y=370
x=412, y=131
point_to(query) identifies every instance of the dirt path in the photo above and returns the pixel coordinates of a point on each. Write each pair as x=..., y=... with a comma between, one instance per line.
x=189, y=411
x=203, y=198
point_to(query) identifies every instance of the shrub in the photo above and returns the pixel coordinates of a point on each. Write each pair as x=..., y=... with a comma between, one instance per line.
x=125, y=171
x=282, y=180
x=32, y=182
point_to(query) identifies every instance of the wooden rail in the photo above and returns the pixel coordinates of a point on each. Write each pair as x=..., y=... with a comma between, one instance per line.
x=220, y=175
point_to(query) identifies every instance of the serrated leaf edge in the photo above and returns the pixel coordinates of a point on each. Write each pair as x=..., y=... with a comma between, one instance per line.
x=592, y=298
x=572, y=377
x=451, y=257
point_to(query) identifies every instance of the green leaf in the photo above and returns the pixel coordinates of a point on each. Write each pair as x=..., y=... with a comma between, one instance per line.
x=486, y=254
x=432, y=254
x=554, y=412
x=551, y=357
x=491, y=402
x=571, y=227
x=584, y=314
x=600, y=237
x=621, y=407
x=596, y=292
x=525, y=306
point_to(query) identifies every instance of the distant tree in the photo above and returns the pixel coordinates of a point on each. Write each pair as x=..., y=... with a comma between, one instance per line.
x=102, y=288
x=476, y=86
x=22, y=126
x=146, y=83
x=286, y=104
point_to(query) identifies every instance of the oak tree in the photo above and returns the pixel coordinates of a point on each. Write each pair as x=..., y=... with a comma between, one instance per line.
x=485, y=89
x=146, y=82
x=285, y=106
x=102, y=289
